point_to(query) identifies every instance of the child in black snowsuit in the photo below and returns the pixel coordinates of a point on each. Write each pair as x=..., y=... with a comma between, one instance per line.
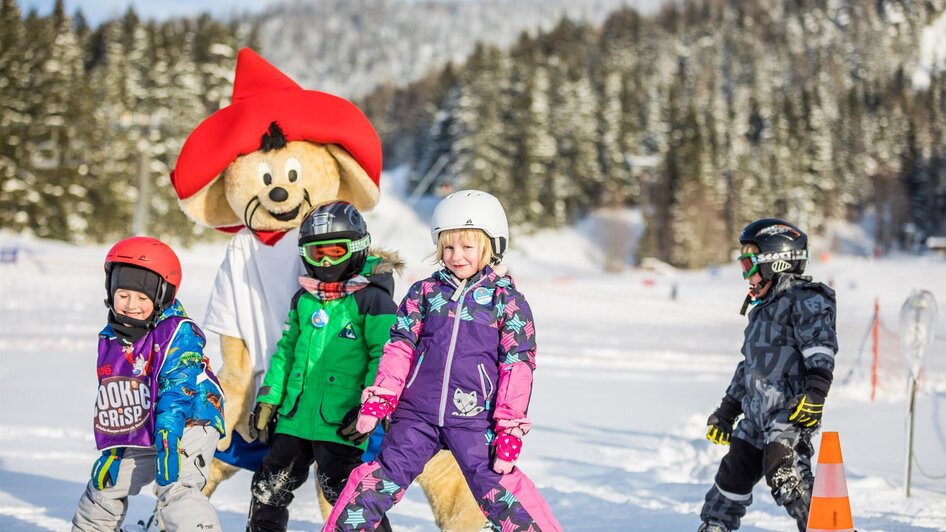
x=780, y=386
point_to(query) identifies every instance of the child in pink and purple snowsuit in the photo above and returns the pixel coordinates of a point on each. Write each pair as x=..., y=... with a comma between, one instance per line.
x=457, y=375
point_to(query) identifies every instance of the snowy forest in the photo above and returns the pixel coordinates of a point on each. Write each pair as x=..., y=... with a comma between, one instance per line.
x=86, y=111
x=705, y=115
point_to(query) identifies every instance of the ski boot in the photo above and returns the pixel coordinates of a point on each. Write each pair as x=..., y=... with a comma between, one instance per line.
x=709, y=526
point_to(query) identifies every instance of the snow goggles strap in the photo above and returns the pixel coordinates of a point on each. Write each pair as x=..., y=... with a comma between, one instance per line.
x=332, y=252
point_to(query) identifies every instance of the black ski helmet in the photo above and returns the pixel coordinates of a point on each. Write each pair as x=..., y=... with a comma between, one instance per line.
x=783, y=247
x=334, y=221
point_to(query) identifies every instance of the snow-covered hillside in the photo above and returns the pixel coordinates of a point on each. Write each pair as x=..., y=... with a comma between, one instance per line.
x=626, y=379
x=348, y=47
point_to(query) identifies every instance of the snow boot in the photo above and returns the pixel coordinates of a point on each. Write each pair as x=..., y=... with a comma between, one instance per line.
x=709, y=526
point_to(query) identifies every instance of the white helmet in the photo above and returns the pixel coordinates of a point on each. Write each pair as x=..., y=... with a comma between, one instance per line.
x=473, y=209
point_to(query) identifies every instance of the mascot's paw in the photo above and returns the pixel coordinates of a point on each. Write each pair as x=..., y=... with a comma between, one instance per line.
x=453, y=505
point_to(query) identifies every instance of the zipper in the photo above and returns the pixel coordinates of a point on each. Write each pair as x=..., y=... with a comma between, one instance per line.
x=452, y=348
x=305, y=367
x=416, y=369
x=484, y=380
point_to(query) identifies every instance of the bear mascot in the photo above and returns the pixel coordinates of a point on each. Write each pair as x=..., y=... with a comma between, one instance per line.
x=255, y=168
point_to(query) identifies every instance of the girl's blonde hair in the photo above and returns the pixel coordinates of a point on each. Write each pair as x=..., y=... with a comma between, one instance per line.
x=475, y=237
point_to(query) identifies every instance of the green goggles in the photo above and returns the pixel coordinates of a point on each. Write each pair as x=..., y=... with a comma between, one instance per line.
x=332, y=252
x=749, y=262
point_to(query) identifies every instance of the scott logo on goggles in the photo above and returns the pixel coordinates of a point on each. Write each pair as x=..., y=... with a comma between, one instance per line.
x=781, y=255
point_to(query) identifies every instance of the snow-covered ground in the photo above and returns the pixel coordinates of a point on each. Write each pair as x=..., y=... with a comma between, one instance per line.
x=626, y=379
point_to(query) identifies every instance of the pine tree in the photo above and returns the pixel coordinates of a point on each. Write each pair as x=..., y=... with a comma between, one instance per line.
x=15, y=180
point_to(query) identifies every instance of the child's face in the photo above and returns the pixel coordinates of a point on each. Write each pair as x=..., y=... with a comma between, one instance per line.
x=462, y=256
x=135, y=305
x=755, y=280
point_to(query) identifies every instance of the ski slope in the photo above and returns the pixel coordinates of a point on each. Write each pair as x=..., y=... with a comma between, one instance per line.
x=626, y=379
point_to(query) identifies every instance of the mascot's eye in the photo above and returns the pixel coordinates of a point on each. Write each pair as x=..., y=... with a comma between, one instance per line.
x=293, y=169
x=265, y=174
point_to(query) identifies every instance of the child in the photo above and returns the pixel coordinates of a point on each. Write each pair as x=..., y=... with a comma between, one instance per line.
x=159, y=411
x=457, y=374
x=337, y=326
x=780, y=387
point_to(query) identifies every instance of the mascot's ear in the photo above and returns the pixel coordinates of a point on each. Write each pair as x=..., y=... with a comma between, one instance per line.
x=209, y=206
x=355, y=187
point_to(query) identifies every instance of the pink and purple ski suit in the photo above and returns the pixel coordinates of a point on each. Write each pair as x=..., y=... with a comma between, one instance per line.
x=460, y=360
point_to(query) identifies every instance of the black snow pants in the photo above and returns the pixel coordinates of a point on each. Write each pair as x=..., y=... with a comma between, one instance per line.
x=286, y=467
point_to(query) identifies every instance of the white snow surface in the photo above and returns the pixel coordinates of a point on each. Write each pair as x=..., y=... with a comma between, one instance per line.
x=626, y=378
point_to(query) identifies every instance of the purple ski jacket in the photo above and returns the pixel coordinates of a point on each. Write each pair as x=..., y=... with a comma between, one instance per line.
x=462, y=354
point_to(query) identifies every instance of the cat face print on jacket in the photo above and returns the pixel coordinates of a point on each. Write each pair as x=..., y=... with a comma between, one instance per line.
x=465, y=403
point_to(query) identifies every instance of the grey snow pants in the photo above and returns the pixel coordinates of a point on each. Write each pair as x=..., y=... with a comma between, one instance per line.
x=183, y=506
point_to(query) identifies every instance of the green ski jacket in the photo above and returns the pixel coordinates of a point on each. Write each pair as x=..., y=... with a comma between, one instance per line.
x=321, y=366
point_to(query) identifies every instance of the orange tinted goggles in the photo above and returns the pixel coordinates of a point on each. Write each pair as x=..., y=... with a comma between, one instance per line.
x=332, y=252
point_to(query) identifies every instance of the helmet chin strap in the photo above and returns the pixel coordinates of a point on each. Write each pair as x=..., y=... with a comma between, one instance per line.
x=754, y=293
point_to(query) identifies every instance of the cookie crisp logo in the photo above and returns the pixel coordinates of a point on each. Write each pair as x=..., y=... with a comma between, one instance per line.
x=123, y=405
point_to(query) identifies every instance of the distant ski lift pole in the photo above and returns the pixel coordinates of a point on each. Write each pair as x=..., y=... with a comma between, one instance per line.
x=917, y=323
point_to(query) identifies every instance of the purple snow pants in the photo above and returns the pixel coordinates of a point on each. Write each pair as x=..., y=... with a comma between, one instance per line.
x=509, y=501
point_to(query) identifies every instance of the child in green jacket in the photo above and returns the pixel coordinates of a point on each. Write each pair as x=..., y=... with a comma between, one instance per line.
x=338, y=324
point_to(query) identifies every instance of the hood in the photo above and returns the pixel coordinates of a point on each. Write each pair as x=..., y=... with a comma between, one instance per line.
x=380, y=267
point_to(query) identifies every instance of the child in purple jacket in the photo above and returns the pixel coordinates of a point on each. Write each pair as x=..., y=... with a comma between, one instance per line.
x=457, y=375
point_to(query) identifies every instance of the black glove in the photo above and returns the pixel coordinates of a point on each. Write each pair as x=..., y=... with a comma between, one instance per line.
x=348, y=431
x=263, y=422
x=806, y=408
x=720, y=423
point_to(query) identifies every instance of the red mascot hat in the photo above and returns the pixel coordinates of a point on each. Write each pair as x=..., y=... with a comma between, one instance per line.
x=262, y=95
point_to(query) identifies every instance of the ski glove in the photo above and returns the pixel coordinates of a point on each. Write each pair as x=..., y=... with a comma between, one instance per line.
x=105, y=469
x=721, y=422
x=168, y=460
x=377, y=403
x=349, y=429
x=806, y=408
x=263, y=422
x=506, y=450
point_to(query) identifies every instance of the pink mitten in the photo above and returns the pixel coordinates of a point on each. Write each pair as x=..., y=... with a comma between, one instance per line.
x=366, y=423
x=508, y=448
x=373, y=393
x=378, y=405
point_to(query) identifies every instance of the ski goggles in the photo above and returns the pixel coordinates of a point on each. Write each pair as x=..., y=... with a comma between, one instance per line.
x=332, y=252
x=749, y=262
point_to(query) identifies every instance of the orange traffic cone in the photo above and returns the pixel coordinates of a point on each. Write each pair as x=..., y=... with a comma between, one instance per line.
x=830, y=506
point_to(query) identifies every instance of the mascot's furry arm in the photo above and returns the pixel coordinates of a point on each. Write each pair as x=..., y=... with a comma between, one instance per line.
x=236, y=379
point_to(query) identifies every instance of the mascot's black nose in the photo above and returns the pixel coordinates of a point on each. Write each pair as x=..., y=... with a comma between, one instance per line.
x=278, y=194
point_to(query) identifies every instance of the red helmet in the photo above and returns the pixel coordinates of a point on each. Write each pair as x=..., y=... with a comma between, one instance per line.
x=148, y=253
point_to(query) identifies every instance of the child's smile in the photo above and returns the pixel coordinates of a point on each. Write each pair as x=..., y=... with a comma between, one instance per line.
x=135, y=305
x=461, y=258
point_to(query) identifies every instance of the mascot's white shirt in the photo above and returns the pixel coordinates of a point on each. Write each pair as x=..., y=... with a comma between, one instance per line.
x=251, y=294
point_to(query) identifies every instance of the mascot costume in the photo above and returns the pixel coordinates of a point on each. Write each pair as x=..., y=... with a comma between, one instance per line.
x=255, y=168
